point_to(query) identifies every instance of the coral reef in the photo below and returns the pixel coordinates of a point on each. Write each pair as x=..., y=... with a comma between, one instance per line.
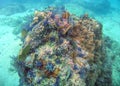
x=61, y=50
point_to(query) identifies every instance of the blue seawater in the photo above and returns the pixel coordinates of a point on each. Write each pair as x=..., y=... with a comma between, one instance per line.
x=16, y=14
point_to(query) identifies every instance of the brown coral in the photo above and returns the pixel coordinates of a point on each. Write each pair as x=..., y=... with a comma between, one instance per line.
x=65, y=15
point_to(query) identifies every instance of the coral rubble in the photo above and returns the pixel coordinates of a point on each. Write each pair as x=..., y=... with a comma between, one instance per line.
x=61, y=50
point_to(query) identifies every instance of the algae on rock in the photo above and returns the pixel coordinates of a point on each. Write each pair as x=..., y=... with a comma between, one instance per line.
x=24, y=52
x=66, y=52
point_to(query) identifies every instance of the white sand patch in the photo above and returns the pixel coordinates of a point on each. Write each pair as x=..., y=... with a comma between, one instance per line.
x=9, y=46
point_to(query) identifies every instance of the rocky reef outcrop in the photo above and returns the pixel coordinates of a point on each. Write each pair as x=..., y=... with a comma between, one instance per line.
x=61, y=49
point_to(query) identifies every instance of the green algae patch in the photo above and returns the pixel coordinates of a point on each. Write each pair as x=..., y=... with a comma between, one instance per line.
x=24, y=33
x=24, y=52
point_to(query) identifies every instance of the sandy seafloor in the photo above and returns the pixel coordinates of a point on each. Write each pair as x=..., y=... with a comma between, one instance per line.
x=10, y=43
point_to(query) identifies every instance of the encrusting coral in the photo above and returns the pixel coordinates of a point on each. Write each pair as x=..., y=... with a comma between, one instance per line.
x=61, y=50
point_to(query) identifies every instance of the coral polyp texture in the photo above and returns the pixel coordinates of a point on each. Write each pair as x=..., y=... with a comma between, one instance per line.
x=61, y=50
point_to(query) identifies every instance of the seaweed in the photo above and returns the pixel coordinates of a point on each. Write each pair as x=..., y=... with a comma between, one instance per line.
x=24, y=53
x=18, y=65
x=69, y=74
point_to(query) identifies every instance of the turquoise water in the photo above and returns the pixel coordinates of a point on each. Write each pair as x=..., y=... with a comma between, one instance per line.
x=14, y=14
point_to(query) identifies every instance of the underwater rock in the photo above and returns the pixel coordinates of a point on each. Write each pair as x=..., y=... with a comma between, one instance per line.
x=64, y=54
